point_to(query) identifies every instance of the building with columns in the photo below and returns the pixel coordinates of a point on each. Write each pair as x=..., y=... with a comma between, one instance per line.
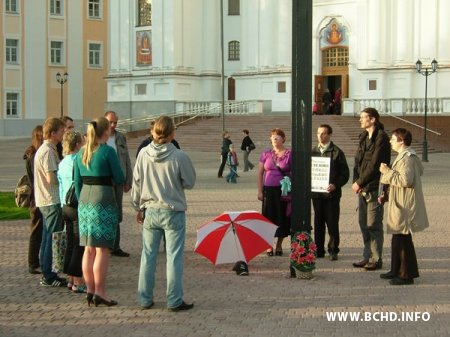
x=164, y=56
x=39, y=39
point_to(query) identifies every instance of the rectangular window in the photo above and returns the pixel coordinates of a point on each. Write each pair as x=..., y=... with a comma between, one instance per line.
x=372, y=85
x=144, y=12
x=56, y=52
x=94, y=9
x=281, y=86
x=95, y=55
x=56, y=7
x=140, y=89
x=11, y=6
x=233, y=51
x=233, y=7
x=12, y=51
x=12, y=104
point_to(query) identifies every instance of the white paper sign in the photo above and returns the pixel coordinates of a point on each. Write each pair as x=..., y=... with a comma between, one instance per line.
x=320, y=174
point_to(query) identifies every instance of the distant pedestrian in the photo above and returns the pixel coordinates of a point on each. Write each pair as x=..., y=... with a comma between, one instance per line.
x=247, y=147
x=327, y=204
x=327, y=102
x=224, y=152
x=161, y=174
x=37, y=138
x=232, y=162
x=373, y=149
x=406, y=208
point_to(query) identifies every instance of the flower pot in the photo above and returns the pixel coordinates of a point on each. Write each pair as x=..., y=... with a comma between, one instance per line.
x=304, y=275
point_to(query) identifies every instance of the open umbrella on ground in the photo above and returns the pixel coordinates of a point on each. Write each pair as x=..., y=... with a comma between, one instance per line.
x=235, y=236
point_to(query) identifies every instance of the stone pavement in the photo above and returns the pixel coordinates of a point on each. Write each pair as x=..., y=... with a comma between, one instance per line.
x=266, y=303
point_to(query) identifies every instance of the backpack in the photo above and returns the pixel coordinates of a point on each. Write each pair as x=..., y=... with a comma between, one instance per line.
x=23, y=192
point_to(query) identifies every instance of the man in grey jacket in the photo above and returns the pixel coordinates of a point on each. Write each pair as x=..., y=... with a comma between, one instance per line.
x=161, y=174
x=119, y=143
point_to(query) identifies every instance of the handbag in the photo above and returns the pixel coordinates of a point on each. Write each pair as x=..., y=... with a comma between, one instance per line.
x=71, y=197
x=251, y=147
x=59, y=245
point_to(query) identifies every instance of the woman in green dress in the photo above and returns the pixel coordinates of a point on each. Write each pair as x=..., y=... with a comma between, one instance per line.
x=96, y=170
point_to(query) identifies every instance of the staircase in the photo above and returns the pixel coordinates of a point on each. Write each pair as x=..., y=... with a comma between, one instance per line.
x=206, y=135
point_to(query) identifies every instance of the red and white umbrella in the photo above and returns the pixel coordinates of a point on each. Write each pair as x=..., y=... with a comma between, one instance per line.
x=235, y=236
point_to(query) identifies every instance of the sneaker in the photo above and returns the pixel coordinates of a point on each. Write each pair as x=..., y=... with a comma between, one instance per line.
x=57, y=282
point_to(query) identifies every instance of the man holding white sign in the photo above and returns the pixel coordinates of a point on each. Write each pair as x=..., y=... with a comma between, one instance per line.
x=329, y=172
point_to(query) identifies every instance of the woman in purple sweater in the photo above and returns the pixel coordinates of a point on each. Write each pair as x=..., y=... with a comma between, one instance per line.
x=274, y=165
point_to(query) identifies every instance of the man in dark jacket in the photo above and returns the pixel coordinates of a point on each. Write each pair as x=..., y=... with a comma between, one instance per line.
x=373, y=149
x=326, y=205
x=226, y=142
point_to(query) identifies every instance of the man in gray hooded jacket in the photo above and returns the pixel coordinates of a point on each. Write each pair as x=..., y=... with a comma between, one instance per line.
x=161, y=174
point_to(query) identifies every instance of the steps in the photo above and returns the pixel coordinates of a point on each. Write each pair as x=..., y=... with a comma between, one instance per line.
x=206, y=135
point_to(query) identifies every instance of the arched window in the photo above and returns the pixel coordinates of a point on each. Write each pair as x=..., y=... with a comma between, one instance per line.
x=233, y=51
x=144, y=12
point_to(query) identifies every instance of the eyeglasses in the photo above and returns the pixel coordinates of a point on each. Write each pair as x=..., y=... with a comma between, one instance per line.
x=111, y=123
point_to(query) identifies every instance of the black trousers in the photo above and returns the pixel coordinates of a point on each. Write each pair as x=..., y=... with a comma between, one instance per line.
x=403, y=259
x=35, y=237
x=326, y=213
x=222, y=164
x=74, y=252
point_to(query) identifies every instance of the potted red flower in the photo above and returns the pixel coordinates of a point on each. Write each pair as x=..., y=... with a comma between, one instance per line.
x=303, y=255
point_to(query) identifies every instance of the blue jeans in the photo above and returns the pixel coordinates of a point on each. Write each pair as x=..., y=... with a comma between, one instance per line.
x=52, y=220
x=172, y=224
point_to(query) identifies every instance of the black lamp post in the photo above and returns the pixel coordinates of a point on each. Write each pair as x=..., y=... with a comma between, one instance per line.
x=425, y=72
x=61, y=79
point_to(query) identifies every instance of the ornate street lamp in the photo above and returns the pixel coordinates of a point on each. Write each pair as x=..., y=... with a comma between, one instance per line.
x=61, y=79
x=425, y=72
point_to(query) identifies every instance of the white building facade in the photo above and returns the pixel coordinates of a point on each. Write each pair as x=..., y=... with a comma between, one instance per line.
x=166, y=53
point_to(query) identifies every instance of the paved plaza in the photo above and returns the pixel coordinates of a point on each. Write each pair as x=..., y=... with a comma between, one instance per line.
x=266, y=303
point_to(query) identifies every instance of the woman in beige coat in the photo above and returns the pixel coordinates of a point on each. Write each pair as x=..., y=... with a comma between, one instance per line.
x=406, y=208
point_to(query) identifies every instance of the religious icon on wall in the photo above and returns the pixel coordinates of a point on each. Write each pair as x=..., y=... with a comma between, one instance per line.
x=333, y=34
x=144, y=48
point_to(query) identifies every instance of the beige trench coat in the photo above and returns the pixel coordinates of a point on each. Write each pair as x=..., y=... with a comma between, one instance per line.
x=406, y=205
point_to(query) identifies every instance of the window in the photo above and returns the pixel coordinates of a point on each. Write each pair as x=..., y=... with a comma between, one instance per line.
x=56, y=52
x=233, y=7
x=56, y=7
x=11, y=6
x=140, y=89
x=12, y=51
x=12, y=104
x=144, y=12
x=95, y=55
x=233, y=51
x=94, y=8
x=335, y=57
x=281, y=86
x=372, y=85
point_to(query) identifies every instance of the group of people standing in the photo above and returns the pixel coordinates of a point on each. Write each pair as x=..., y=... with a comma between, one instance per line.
x=375, y=182
x=99, y=170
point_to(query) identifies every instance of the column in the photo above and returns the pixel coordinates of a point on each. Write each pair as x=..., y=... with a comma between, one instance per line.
x=211, y=36
x=443, y=54
x=428, y=29
x=250, y=34
x=284, y=32
x=267, y=46
x=374, y=32
x=404, y=32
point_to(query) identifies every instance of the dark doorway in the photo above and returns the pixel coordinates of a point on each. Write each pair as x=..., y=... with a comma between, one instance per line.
x=231, y=89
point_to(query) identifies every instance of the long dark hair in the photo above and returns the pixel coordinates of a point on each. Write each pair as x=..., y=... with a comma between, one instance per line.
x=373, y=113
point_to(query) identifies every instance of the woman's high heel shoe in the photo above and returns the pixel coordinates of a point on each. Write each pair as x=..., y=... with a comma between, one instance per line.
x=89, y=299
x=99, y=300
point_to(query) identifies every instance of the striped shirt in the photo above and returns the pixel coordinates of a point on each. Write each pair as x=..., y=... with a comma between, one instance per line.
x=46, y=160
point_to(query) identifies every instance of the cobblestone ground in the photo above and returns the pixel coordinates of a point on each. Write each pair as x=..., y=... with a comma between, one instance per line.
x=266, y=303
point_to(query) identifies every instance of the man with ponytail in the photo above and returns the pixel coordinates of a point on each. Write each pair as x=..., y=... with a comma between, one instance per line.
x=161, y=174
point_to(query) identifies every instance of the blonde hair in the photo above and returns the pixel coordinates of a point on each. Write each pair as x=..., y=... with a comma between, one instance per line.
x=70, y=141
x=95, y=130
x=52, y=124
x=163, y=129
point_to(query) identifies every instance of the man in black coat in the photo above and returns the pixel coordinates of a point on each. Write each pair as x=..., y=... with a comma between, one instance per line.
x=373, y=149
x=327, y=204
x=226, y=142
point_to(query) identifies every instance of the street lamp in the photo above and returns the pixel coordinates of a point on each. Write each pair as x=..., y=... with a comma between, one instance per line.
x=61, y=79
x=425, y=72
